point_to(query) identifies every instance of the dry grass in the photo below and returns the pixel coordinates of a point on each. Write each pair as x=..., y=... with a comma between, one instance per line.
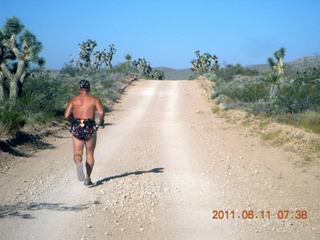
x=290, y=138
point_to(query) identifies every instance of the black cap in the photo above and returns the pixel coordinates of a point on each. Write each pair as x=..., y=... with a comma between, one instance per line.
x=84, y=84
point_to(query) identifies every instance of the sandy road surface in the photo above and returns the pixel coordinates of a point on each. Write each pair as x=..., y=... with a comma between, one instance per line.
x=163, y=165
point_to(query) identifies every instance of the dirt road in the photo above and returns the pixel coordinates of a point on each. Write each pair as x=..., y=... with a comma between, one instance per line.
x=165, y=167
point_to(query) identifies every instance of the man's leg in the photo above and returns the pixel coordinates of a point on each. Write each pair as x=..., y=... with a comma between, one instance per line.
x=90, y=146
x=78, y=151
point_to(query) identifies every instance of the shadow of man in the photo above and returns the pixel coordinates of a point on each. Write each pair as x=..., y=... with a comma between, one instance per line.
x=100, y=182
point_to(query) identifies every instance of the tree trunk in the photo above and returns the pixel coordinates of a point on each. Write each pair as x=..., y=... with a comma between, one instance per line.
x=13, y=88
x=280, y=66
x=13, y=78
x=280, y=69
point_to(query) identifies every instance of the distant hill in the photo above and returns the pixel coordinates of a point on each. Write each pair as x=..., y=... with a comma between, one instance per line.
x=299, y=64
x=174, y=74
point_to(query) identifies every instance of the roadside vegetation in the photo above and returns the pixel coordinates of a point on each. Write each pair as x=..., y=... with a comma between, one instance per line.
x=30, y=94
x=286, y=94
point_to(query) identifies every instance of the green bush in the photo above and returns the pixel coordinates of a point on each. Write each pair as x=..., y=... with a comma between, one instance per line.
x=70, y=70
x=11, y=120
x=298, y=96
x=247, y=91
x=45, y=97
x=229, y=71
x=125, y=68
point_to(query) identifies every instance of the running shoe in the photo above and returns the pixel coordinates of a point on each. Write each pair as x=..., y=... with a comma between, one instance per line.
x=88, y=182
x=80, y=173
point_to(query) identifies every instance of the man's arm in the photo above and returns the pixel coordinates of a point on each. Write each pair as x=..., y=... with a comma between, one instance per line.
x=101, y=112
x=68, y=113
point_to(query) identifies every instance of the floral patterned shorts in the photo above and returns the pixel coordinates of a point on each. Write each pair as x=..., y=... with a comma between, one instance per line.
x=83, y=129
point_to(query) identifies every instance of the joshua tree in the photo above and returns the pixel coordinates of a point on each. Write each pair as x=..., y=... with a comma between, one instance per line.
x=109, y=56
x=157, y=74
x=18, y=47
x=277, y=67
x=41, y=63
x=86, y=50
x=204, y=63
x=128, y=57
x=104, y=57
x=144, y=69
x=142, y=66
x=100, y=58
x=277, y=72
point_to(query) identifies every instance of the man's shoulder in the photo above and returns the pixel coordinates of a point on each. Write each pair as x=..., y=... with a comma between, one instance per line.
x=95, y=98
x=73, y=99
x=92, y=99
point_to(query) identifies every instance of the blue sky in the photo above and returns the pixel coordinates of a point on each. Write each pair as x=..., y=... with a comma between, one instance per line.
x=168, y=32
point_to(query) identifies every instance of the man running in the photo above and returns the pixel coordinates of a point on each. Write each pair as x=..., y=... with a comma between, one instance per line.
x=80, y=112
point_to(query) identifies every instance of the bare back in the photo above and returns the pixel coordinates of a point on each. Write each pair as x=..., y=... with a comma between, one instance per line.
x=84, y=106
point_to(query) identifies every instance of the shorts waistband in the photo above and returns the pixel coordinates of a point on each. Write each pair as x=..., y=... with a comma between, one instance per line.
x=84, y=120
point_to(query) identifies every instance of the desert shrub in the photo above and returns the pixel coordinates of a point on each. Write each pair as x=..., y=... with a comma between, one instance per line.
x=298, y=96
x=30, y=102
x=244, y=91
x=261, y=107
x=70, y=70
x=226, y=102
x=108, y=85
x=251, y=92
x=229, y=71
x=45, y=95
x=125, y=68
x=11, y=119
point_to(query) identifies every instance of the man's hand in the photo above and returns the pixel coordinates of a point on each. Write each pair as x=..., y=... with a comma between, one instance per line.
x=101, y=125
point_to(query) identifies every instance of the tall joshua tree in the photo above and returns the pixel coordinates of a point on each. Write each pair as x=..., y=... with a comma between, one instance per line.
x=276, y=76
x=204, y=63
x=142, y=66
x=104, y=57
x=278, y=67
x=18, y=47
x=86, y=50
x=100, y=58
